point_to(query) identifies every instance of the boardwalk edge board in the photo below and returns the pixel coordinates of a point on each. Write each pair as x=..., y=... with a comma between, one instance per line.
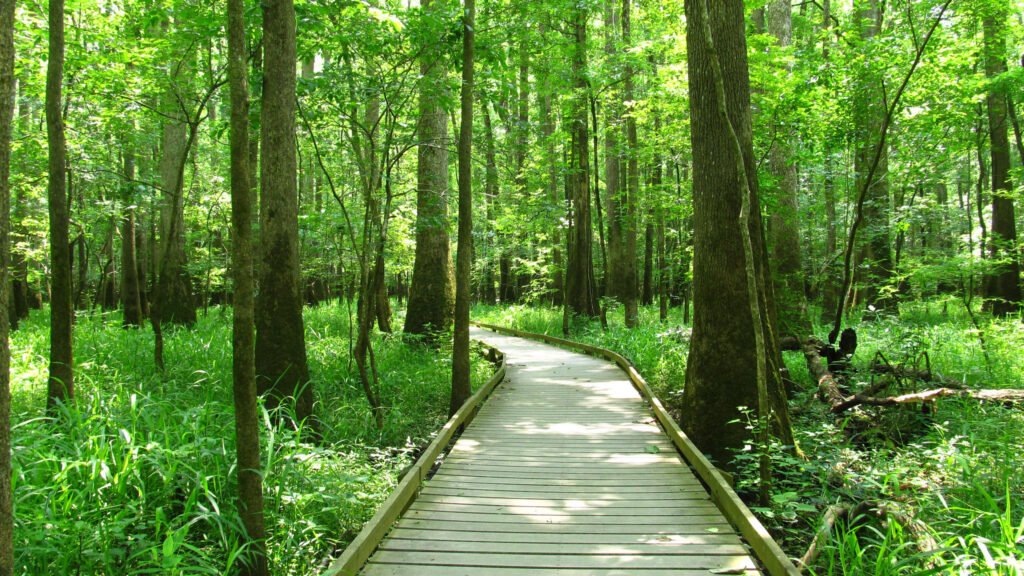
x=768, y=552
x=365, y=543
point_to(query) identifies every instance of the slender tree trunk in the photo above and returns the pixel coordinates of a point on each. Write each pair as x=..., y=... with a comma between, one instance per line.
x=722, y=368
x=247, y=420
x=131, y=301
x=629, y=224
x=787, y=254
x=432, y=295
x=460, y=349
x=1003, y=291
x=580, y=291
x=488, y=293
x=61, y=387
x=6, y=119
x=21, y=291
x=614, y=274
x=282, y=371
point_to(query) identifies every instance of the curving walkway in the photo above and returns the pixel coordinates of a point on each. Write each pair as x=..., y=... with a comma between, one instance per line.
x=563, y=472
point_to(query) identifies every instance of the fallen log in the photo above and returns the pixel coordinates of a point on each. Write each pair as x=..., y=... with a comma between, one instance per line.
x=824, y=533
x=1000, y=396
x=828, y=386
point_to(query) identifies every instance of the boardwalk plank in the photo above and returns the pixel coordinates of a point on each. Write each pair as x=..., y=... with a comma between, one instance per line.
x=563, y=472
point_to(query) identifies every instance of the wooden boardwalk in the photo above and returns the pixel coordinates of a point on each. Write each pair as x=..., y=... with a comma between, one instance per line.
x=564, y=471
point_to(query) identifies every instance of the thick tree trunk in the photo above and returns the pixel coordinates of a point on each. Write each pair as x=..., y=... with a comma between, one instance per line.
x=281, y=368
x=787, y=254
x=461, y=389
x=6, y=119
x=432, y=295
x=580, y=292
x=176, y=301
x=722, y=366
x=61, y=386
x=247, y=419
x=1003, y=291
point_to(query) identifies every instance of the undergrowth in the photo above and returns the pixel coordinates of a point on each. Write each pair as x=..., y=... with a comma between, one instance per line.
x=946, y=487
x=137, y=477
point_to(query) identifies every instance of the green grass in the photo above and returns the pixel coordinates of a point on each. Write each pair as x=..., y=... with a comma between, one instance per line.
x=956, y=471
x=137, y=477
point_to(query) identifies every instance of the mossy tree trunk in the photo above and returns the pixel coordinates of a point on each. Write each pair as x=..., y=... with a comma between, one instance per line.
x=247, y=420
x=7, y=91
x=1003, y=286
x=61, y=386
x=580, y=290
x=281, y=368
x=432, y=294
x=722, y=368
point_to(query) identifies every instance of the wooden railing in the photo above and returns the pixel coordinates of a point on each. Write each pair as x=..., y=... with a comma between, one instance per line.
x=374, y=531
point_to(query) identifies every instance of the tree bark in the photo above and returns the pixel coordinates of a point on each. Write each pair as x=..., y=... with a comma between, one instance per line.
x=7, y=92
x=131, y=301
x=1003, y=291
x=723, y=360
x=613, y=201
x=461, y=388
x=176, y=301
x=869, y=117
x=580, y=292
x=247, y=421
x=488, y=293
x=282, y=371
x=61, y=386
x=629, y=224
x=785, y=221
x=432, y=295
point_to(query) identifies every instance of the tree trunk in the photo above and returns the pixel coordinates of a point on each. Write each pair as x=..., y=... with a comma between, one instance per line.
x=7, y=91
x=432, y=296
x=176, y=302
x=613, y=207
x=869, y=116
x=61, y=387
x=722, y=366
x=461, y=389
x=488, y=293
x=547, y=120
x=281, y=368
x=131, y=301
x=1004, y=284
x=580, y=293
x=785, y=221
x=21, y=295
x=247, y=418
x=629, y=224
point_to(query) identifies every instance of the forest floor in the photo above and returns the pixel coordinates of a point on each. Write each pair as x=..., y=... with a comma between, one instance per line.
x=138, y=477
x=940, y=491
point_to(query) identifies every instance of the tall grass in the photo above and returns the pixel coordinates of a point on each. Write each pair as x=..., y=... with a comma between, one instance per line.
x=137, y=476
